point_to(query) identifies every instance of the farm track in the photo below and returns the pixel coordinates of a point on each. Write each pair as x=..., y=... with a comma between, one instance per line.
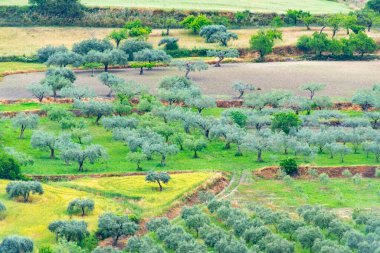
x=341, y=78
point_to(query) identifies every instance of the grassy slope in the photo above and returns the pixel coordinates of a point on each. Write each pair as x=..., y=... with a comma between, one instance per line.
x=213, y=158
x=51, y=206
x=26, y=41
x=32, y=219
x=314, y=6
x=149, y=201
x=338, y=193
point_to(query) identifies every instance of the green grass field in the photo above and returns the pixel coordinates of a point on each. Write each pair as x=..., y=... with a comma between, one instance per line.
x=280, y=6
x=7, y=68
x=32, y=219
x=214, y=158
x=339, y=194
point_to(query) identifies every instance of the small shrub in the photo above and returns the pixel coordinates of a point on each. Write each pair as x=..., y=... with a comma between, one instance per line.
x=324, y=178
x=9, y=168
x=347, y=173
x=377, y=172
x=289, y=166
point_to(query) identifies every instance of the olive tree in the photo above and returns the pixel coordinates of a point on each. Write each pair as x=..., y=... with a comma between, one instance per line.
x=161, y=148
x=77, y=92
x=374, y=118
x=111, y=123
x=56, y=82
x=190, y=66
x=196, y=145
x=80, y=206
x=243, y=88
x=44, y=53
x=308, y=235
x=24, y=121
x=107, y=58
x=170, y=43
x=133, y=46
x=151, y=56
x=197, y=221
x=259, y=142
x=91, y=153
x=85, y=46
x=137, y=158
x=201, y=103
x=62, y=59
x=44, y=141
x=217, y=34
x=94, y=108
x=71, y=230
x=23, y=189
x=312, y=88
x=208, y=30
x=115, y=226
x=375, y=149
x=64, y=72
x=111, y=81
x=158, y=177
x=3, y=209
x=222, y=54
x=365, y=99
x=40, y=91
x=16, y=244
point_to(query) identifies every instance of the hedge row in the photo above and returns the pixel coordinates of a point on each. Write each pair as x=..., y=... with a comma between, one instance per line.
x=108, y=17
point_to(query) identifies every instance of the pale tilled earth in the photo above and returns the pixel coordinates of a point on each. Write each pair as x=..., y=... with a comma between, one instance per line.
x=341, y=78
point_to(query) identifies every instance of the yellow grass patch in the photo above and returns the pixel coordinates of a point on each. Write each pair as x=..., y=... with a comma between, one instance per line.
x=27, y=40
x=148, y=197
x=32, y=219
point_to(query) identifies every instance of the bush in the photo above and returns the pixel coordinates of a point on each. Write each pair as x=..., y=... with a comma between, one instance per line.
x=289, y=165
x=9, y=168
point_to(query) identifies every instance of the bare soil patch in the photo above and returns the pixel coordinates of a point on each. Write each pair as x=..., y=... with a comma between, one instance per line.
x=334, y=172
x=341, y=78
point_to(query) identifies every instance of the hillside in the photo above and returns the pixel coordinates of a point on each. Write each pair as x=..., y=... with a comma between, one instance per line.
x=279, y=6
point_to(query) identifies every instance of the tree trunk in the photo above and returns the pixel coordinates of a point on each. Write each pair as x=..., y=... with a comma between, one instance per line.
x=163, y=161
x=159, y=184
x=219, y=61
x=97, y=120
x=195, y=154
x=105, y=67
x=227, y=146
x=82, y=211
x=241, y=94
x=52, y=156
x=167, y=31
x=187, y=73
x=22, y=130
x=308, y=27
x=141, y=70
x=323, y=28
x=259, y=156
x=80, y=167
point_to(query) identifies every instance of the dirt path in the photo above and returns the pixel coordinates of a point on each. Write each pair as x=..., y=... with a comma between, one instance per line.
x=341, y=78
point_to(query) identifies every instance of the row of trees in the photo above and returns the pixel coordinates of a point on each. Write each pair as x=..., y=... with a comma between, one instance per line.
x=319, y=43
